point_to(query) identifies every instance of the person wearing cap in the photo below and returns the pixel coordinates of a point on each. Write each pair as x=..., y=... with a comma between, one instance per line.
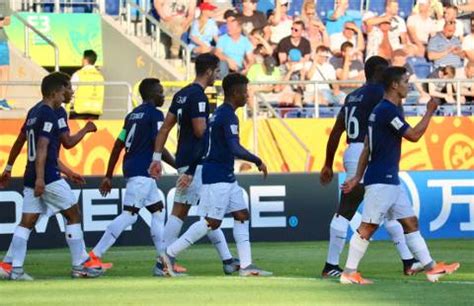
x=295, y=68
x=421, y=26
x=204, y=30
x=176, y=16
x=281, y=22
x=350, y=33
x=294, y=41
x=321, y=70
x=234, y=49
x=251, y=19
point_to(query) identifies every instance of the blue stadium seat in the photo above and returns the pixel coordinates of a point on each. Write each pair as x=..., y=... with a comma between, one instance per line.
x=377, y=6
x=82, y=7
x=112, y=7
x=355, y=5
x=323, y=7
x=406, y=6
x=299, y=113
x=295, y=7
x=265, y=5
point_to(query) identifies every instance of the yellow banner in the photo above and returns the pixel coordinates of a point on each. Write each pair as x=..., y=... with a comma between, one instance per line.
x=448, y=144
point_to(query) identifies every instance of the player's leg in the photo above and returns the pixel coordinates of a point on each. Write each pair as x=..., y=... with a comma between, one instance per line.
x=403, y=212
x=348, y=206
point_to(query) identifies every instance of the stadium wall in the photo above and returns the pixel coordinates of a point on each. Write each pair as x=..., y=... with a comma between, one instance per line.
x=284, y=207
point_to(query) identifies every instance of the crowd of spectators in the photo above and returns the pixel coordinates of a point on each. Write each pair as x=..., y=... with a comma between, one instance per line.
x=274, y=45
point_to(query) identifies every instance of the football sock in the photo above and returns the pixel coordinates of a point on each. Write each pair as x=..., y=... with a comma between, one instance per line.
x=217, y=238
x=242, y=240
x=194, y=233
x=19, y=245
x=157, y=228
x=171, y=232
x=418, y=247
x=357, y=248
x=337, y=238
x=75, y=241
x=395, y=229
x=113, y=231
x=9, y=255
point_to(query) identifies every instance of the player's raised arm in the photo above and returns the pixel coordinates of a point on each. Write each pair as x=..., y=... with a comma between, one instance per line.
x=69, y=141
x=14, y=152
x=347, y=186
x=414, y=134
x=331, y=148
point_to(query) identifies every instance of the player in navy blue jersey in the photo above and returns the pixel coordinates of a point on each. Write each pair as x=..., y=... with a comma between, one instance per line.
x=220, y=193
x=67, y=140
x=190, y=110
x=384, y=197
x=44, y=188
x=353, y=119
x=137, y=138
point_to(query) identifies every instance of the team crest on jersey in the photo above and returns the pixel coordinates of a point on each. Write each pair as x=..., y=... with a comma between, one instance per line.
x=396, y=123
x=62, y=123
x=234, y=128
x=202, y=107
x=181, y=99
x=47, y=127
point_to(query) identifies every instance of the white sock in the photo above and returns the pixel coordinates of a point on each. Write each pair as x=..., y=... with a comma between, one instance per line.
x=113, y=231
x=242, y=240
x=171, y=232
x=217, y=238
x=75, y=241
x=418, y=247
x=19, y=245
x=357, y=249
x=337, y=238
x=9, y=255
x=395, y=229
x=194, y=233
x=157, y=228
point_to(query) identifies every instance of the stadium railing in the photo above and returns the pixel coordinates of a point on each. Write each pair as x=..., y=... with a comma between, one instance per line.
x=29, y=27
x=57, y=6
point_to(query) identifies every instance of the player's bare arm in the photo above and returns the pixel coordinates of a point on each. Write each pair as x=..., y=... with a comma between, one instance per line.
x=106, y=184
x=199, y=127
x=14, y=152
x=41, y=153
x=414, y=134
x=69, y=141
x=331, y=148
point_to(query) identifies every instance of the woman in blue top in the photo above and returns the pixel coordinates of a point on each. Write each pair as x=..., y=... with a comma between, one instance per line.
x=204, y=30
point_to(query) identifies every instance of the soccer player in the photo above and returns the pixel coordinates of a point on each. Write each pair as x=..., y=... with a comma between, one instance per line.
x=67, y=140
x=384, y=197
x=137, y=137
x=220, y=193
x=44, y=188
x=353, y=119
x=190, y=110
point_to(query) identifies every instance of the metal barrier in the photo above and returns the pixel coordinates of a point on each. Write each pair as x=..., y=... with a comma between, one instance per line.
x=29, y=27
x=37, y=5
x=156, y=32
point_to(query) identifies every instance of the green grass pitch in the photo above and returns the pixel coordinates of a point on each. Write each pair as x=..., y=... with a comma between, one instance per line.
x=296, y=282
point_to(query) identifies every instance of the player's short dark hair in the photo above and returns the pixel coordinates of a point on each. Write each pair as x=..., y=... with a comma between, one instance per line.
x=374, y=65
x=206, y=61
x=53, y=82
x=345, y=45
x=146, y=88
x=392, y=74
x=231, y=81
x=62, y=75
x=91, y=56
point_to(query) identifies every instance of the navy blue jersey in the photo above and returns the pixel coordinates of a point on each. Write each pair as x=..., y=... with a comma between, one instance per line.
x=62, y=120
x=42, y=121
x=189, y=103
x=141, y=127
x=218, y=165
x=386, y=128
x=357, y=108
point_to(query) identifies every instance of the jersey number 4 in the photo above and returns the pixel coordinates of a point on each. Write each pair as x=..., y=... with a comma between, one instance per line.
x=130, y=136
x=352, y=124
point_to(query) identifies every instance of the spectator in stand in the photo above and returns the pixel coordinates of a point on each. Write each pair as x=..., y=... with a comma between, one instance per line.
x=348, y=66
x=222, y=7
x=315, y=31
x=204, y=30
x=234, y=49
x=258, y=41
x=341, y=15
x=281, y=22
x=88, y=102
x=4, y=59
x=445, y=49
x=387, y=32
x=295, y=71
x=467, y=89
x=294, y=41
x=176, y=16
x=436, y=9
x=321, y=70
x=350, y=33
x=450, y=15
x=251, y=19
x=468, y=42
x=444, y=91
x=421, y=26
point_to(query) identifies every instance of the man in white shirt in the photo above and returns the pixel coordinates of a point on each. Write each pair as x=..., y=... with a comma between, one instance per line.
x=468, y=42
x=421, y=26
x=350, y=33
x=450, y=15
